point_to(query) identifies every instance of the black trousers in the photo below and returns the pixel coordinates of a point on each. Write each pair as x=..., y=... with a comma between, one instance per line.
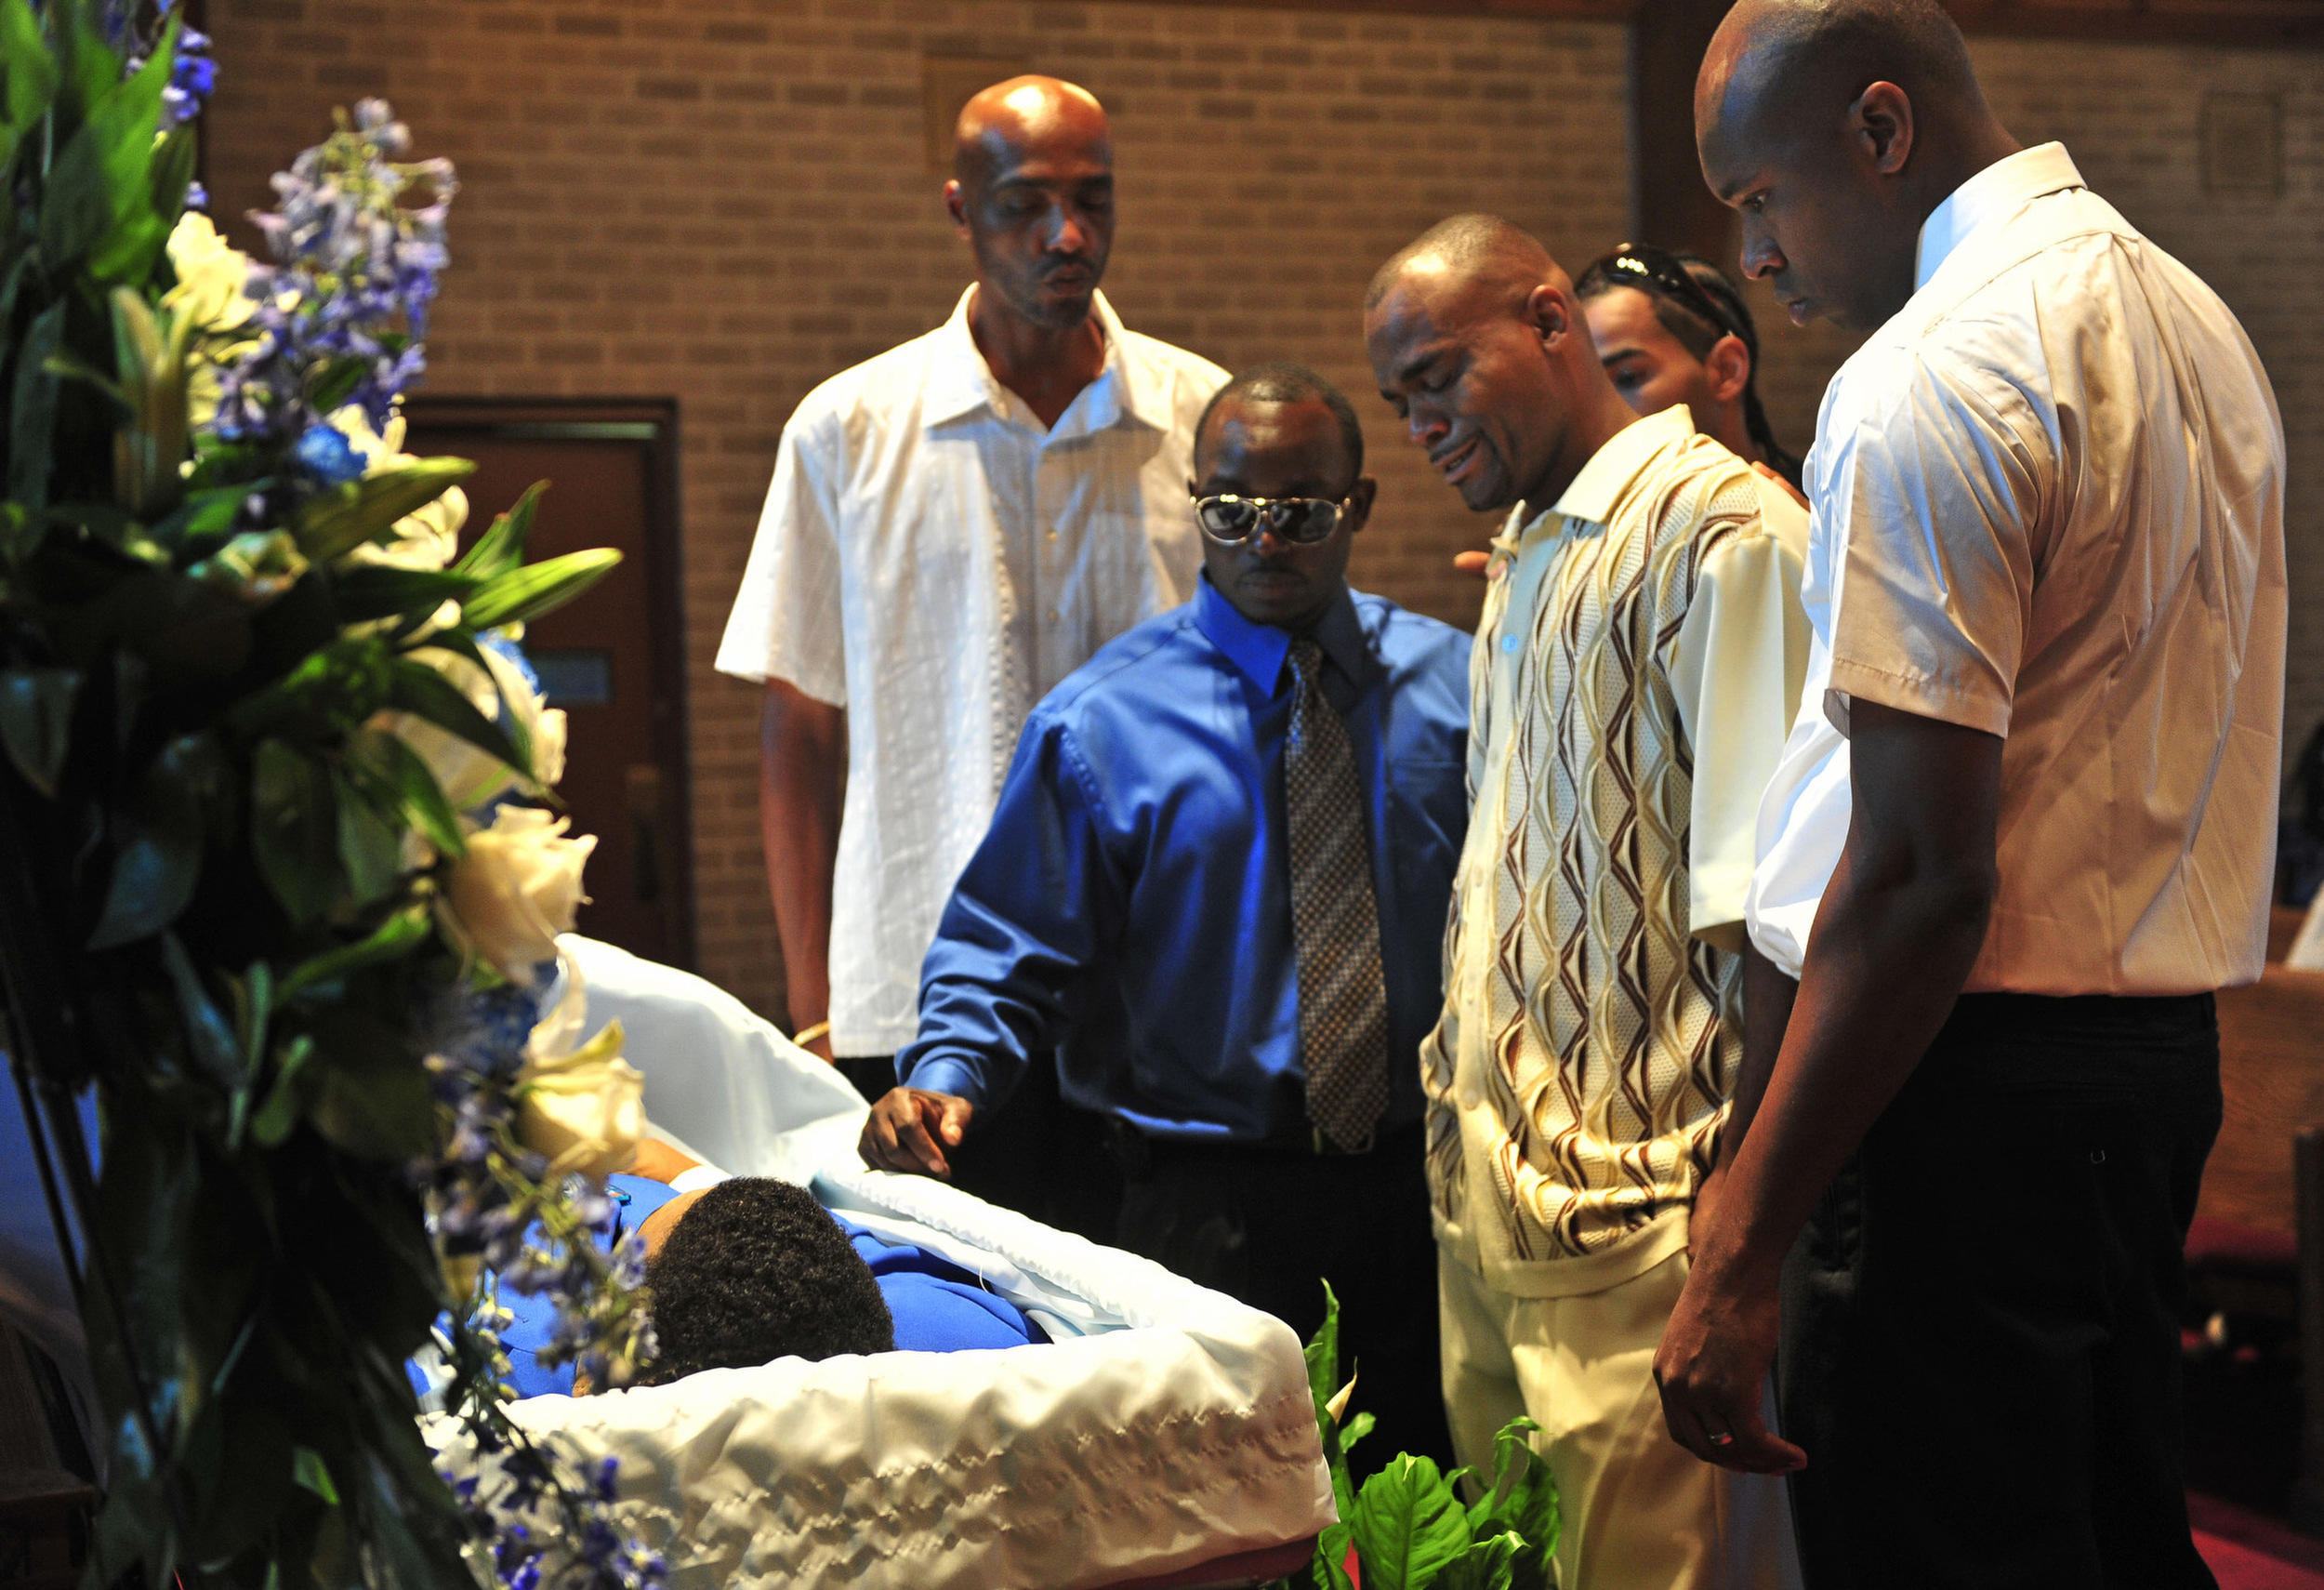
x=1270, y=1225
x=1980, y=1346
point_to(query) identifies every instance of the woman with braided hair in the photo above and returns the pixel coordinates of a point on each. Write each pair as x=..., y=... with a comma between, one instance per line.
x=1671, y=328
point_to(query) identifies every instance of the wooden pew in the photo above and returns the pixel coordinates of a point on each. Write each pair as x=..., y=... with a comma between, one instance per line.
x=2271, y=1068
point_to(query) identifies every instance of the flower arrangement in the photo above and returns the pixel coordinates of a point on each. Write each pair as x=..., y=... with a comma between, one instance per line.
x=280, y=872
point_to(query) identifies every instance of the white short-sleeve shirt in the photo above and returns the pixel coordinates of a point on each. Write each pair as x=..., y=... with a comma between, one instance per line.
x=2048, y=503
x=934, y=560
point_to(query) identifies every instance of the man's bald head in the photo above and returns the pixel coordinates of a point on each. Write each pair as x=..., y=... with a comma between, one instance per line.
x=1466, y=250
x=1833, y=127
x=1000, y=125
x=1033, y=194
x=1807, y=59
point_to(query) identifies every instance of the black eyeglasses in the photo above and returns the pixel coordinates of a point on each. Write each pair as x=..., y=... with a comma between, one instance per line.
x=1302, y=520
x=1650, y=269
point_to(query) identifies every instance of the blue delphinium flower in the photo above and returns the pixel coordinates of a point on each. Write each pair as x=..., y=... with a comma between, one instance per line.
x=354, y=274
x=327, y=457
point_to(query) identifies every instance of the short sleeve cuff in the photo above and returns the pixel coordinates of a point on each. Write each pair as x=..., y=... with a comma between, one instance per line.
x=1924, y=699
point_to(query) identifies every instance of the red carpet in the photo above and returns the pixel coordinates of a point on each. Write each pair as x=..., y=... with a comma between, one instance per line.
x=2249, y=1552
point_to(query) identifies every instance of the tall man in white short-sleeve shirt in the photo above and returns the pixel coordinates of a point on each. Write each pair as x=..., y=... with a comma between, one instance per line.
x=2046, y=580
x=954, y=527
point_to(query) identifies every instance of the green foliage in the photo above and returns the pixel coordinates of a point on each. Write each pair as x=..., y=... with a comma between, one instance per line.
x=210, y=814
x=525, y=593
x=1407, y=1524
x=338, y=522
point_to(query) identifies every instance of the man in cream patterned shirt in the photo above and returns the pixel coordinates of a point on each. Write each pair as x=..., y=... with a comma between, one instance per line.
x=1632, y=682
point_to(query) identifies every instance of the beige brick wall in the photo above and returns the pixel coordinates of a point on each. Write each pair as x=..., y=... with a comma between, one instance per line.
x=2129, y=114
x=728, y=200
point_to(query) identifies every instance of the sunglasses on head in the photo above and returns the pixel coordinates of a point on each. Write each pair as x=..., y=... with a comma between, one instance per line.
x=1656, y=270
x=1231, y=520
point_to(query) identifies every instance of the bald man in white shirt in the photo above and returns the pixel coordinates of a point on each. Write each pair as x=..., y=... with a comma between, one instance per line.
x=954, y=527
x=2023, y=828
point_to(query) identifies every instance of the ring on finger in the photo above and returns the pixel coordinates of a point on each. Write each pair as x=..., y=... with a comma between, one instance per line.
x=1722, y=1439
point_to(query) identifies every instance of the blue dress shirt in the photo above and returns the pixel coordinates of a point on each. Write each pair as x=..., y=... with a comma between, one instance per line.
x=1130, y=907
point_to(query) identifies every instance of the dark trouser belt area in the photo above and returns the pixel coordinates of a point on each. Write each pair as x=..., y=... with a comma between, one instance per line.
x=1138, y=1151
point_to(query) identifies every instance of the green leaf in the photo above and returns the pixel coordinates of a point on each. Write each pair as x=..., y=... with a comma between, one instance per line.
x=424, y=693
x=396, y=779
x=372, y=591
x=1323, y=1383
x=206, y=1027
x=1358, y=1426
x=501, y=548
x=280, y=1113
x=68, y=365
x=1488, y=1564
x=174, y=161
x=158, y=841
x=92, y=67
x=36, y=722
x=307, y=1469
x=537, y=588
x=31, y=69
x=1522, y=1498
x=1329, y=1569
x=1323, y=1350
x=139, y=167
x=335, y=523
x=33, y=418
x=398, y=936
x=367, y=1090
x=371, y=848
x=1409, y=1525
x=99, y=199
x=294, y=831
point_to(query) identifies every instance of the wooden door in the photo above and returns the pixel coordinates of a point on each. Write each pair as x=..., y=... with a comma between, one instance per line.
x=614, y=660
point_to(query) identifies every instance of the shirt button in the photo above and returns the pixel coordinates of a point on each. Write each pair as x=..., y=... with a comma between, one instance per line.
x=1053, y=614
x=1509, y=643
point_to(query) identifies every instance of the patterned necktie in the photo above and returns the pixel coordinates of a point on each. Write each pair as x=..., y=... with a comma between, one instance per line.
x=1335, y=923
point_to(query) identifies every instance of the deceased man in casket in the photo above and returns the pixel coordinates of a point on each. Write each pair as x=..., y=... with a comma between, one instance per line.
x=745, y=1271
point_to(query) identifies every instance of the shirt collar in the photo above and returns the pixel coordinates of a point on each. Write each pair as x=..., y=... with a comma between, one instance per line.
x=1261, y=650
x=1592, y=494
x=960, y=383
x=1991, y=196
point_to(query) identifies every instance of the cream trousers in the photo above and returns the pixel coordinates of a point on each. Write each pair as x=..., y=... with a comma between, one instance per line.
x=1641, y=1512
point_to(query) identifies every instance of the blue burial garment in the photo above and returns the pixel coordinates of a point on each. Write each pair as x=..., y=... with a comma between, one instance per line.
x=937, y=1305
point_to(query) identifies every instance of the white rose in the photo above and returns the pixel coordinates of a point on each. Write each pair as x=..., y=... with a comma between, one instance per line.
x=580, y=1103
x=514, y=890
x=585, y=1111
x=548, y=746
x=428, y=538
x=468, y=775
x=211, y=273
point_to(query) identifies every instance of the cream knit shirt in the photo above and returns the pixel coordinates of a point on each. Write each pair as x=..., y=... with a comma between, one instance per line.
x=1636, y=671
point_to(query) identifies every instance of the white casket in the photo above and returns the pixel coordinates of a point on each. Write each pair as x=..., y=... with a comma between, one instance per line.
x=1165, y=1436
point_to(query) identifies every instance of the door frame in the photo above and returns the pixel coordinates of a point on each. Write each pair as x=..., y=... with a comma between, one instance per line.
x=651, y=423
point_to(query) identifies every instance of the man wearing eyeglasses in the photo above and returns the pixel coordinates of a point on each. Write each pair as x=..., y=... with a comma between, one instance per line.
x=1636, y=670
x=1215, y=887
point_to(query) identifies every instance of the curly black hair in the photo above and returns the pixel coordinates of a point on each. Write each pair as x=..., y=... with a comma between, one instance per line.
x=756, y=1270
